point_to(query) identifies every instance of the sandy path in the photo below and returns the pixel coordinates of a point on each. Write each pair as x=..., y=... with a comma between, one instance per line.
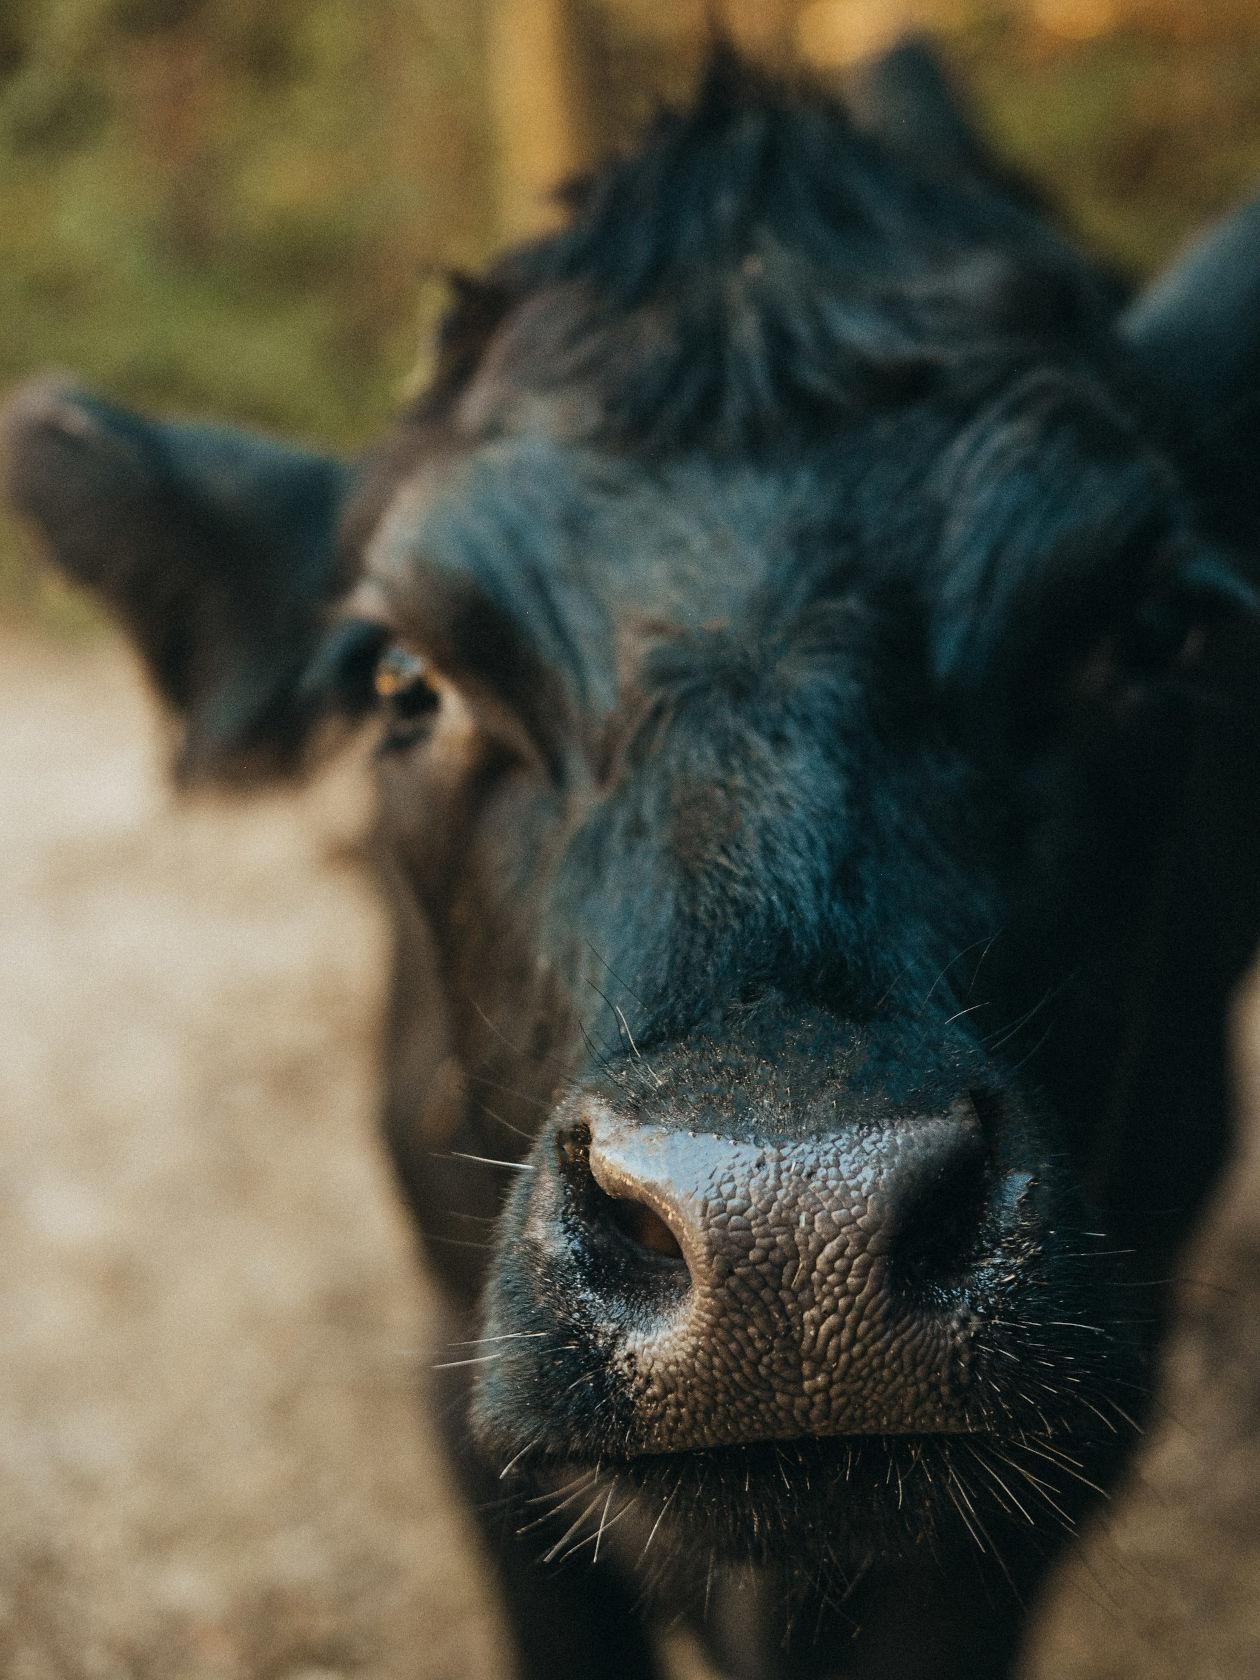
x=211, y=1460
x=212, y=1465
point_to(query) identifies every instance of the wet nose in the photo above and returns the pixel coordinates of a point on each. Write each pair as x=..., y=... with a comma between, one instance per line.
x=756, y=1291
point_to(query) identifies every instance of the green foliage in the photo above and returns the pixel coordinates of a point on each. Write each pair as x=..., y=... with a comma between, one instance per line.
x=1146, y=131
x=228, y=205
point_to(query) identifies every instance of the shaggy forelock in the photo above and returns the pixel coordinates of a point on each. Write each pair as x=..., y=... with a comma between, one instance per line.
x=757, y=263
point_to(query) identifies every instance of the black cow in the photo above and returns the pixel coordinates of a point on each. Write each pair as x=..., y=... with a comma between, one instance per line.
x=808, y=622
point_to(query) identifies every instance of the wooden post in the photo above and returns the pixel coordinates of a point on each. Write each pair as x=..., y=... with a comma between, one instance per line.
x=536, y=106
x=763, y=28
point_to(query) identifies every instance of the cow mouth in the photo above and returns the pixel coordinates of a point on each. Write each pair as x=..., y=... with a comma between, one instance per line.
x=992, y=1469
x=848, y=1495
x=801, y=1452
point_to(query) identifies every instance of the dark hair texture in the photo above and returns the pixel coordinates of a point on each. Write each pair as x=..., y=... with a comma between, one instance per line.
x=759, y=263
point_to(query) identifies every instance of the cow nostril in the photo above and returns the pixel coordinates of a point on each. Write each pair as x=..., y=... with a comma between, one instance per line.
x=629, y=1223
x=942, y=1222
x=642, y=1227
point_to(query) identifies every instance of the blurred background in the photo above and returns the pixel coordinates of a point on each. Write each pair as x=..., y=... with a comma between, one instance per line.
x=240, y=206
x=214, y=1459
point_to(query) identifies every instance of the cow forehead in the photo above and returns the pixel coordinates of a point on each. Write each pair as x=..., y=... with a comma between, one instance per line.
x=598, y=554
x=775, y=794
x=618, y=519
x=679, y=542
x=764, y=819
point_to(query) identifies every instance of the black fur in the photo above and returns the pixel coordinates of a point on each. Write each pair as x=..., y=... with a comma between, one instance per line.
x=831, y=661
x=760, y=268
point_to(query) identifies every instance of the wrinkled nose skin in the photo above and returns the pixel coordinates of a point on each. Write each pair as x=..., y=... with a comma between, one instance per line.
x=743, y=1291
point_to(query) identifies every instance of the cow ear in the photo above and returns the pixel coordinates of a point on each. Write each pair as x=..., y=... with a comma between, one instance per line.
x=1197, y=327
x=907, y=98
x=1196, y=330
x=214, y=549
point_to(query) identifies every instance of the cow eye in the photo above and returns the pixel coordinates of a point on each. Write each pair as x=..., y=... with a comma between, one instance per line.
x=408, y=698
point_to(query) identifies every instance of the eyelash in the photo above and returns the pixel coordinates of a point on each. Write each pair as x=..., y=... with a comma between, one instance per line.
x=407, y=700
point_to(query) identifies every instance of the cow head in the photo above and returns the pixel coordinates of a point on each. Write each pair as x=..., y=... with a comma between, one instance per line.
x=816, y=733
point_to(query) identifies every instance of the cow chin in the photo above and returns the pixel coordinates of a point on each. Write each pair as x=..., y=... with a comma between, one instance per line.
x=836, y=1501
x=823, y=1508
x=1043, y=1441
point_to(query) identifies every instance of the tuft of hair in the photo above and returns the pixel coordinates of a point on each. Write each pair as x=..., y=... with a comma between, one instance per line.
x=759, y=262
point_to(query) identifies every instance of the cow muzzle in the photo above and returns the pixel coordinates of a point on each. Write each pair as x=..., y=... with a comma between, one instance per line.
x=741, y=1291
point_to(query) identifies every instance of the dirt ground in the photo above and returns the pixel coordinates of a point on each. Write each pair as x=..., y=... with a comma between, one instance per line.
x=212, y=1462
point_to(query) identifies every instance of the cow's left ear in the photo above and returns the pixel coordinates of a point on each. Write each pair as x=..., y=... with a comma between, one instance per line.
x=908, y=99
x=213, y=547
x=1197, y=332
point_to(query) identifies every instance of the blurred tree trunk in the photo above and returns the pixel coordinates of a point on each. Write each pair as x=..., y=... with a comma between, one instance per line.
x=543, y=64
x=536, y=99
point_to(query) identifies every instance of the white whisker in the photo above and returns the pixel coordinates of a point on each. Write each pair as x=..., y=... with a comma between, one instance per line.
x=489, y=1161
x=517, y=1457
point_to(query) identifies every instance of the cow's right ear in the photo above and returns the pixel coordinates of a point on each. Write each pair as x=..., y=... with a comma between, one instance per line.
x=214, y=548
x=1196, y=331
